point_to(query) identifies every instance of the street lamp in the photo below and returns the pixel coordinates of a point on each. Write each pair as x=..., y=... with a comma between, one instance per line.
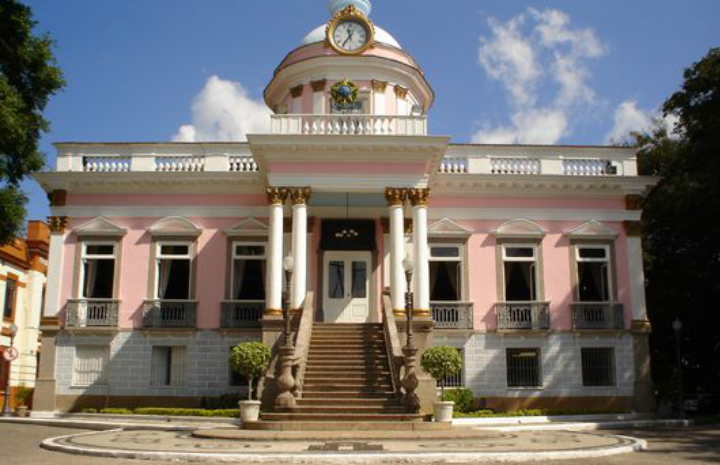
x=677, y=327
x=288, y=266
x=408, y=265
x=10, y=354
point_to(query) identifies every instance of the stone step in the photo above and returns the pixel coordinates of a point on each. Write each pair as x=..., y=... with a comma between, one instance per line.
x=357, y=394
x=341, y=417
x=360, y=388
x=377, y=402
x=324, y=373
x=346, y=351
x=342, y=409
x=410, y=426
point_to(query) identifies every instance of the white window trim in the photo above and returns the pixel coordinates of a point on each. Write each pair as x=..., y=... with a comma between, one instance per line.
x=85, y=256
x=459, y=247
x=235, y=256
x=519, y=246
x=464, y=281
x=533, y=260
x=159, y=257
x=608, y=266
x=606, y=248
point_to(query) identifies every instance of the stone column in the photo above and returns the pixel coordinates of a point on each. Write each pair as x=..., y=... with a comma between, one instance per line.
x=396, y=199
x=273, y=294
x=421, y=282
x=299, y=197
x=643, y=389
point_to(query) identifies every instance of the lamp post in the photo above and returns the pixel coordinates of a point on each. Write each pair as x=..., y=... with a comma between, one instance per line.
x=410, y=381
x=408, y=265
x=288, y=266
x=286, y=381
x=9, y=356
x=677, y=327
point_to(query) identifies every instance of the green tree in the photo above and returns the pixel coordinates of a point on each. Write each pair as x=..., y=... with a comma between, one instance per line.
x=682, y=230
x=250, y=359
x=28, y=77
x=440, y=362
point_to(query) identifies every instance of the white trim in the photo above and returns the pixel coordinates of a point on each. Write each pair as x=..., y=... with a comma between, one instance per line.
x=448, y=228
x=532, y=260
x=85, y=256
x=519, y=228
x=159, y=257
x=608, y=261
x=248, y=227
x=100, y=226
x=591, y=230
x=174, y=226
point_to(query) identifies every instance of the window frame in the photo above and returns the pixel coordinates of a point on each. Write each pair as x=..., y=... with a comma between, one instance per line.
x=153, y=367
x=80, y=291
x=234, y=256
x=158, y=256
x=613, y=369
x=538, y=358
x=535, y=260
x=461, y=259
x=104, y=376
x=610, y=267
x=13, y=305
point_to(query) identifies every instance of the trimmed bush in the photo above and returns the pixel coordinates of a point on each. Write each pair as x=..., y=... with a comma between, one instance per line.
x=225, y=401
x=463, y=398
x=116, y=411
x=535, y=412
x=250, y=359
x=186, y=412
x=440, y=362
x=21, y=395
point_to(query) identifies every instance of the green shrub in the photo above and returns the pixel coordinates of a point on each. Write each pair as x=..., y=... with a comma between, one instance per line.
x=89, y=410
x=116, y=411
x=250, y=359
x=186, y=412
x=535, y=412
x=463, y=398
x=440, y=362
x=225, y=401
x=22, y=394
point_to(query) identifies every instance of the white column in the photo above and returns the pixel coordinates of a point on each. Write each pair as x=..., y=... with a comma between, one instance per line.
x=273, y=279
x=379, y=89
x=637, y=278
x=396, y=199
x=421, y=282
x=55, y=266
x=299, y=197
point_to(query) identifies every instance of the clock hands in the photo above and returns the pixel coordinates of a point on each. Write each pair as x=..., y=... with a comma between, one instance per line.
x=350, y=34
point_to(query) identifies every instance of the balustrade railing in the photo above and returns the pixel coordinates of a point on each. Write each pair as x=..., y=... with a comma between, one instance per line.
x=242, y=164
x=453, y=165
x=302, y=342
x=393, y=344
x=106, y=163
x=169, y=313
x=588, y=167
x=342, y=124
x=523, y=315
x=180, y=163
x=452, y=315
x=242, y=313
x=86, y=313
x=507, y=165
x=598, y=315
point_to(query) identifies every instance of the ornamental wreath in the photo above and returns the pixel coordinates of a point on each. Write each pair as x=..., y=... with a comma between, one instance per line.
x=344, y=93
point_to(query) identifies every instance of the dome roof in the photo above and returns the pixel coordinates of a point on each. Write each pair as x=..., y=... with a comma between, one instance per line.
x=381, y=35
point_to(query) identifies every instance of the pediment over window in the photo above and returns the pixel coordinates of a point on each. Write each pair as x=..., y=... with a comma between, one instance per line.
x=175, y=226
x=448, y=228
x=592, y=230
x=100, y=227
x=519, y=229
x=248, y=227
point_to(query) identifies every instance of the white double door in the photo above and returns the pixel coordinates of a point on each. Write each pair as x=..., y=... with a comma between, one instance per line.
x=346, y=296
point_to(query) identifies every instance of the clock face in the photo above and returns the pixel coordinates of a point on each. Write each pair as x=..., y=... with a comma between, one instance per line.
x=350, y=35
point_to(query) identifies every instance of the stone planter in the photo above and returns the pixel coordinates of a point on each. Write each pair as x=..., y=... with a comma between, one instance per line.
x=21, y=411
x=249, y=410
x=444, y=411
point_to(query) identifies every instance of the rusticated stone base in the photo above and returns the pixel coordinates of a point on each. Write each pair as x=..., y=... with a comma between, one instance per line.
x=586, y=403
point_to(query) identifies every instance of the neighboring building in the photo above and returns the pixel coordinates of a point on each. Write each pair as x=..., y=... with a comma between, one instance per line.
x=23, y=266
x=164, y=255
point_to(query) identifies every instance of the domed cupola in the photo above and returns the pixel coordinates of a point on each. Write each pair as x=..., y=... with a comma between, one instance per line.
x=349, y=65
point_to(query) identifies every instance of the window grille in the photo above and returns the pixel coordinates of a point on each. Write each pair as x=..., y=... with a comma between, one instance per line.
x=598, y=366
x=456, y=380
x=523, y=368
x=168, y=366
x=91, y=365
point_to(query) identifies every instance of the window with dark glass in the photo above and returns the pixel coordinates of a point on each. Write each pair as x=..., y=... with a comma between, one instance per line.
x=593, y=274
x=523, y=368
x=359, y=279
x=9, y=300
x=445, y=273
x=248, y=272
x=168, y=366
x=336, y=280
x=598, y=366
x=519, y=273
x=98, y=271
x=173, y=271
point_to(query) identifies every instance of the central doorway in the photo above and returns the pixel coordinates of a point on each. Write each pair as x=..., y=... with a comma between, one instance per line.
x=346, y=296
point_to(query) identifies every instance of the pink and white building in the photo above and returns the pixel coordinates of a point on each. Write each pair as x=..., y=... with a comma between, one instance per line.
x=165, y=255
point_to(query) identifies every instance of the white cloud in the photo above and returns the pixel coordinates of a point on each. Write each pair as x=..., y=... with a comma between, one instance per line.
x=224, y=111
x=628, y=118
x=538, y=50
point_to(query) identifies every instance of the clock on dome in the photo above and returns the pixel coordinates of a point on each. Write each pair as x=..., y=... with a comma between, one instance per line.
x=350, y=32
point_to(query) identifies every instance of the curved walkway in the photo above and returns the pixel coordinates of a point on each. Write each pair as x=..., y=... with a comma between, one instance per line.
x=466, y=445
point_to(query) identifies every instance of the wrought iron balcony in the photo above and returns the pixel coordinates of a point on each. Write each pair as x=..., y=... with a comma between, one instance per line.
x=452, y=315
x=523, y=315
x=169, y=313
x=242, y=313
x=92, y=313
x=598, y=315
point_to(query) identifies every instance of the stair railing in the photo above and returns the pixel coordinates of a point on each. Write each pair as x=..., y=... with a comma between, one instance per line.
x=392, y=343
x=302, y=342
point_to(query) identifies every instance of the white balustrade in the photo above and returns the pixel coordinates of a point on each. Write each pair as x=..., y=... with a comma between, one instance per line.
x=182, y=163
x=242, y=164
x=105, y=163
x=370, y=125
x=453, y=166
x=515, y=165
x=588, y=167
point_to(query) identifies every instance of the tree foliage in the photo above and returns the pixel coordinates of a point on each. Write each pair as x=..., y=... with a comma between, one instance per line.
x=440, y=362
x=682, y=231
x=28, y=78
x=250, y=359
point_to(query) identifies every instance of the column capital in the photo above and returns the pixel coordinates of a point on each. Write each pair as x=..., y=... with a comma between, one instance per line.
x=300, y=195
x=57, y=224
x=276, y=195
x=319, y=86
x=401, y=91
x=419, y=197
x=395, y=196
x=633, y=228
x=379, y=86
x=297, y=91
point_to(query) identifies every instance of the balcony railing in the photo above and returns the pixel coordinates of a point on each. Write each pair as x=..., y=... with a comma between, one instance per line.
x=368, y=125
x=169, y=313
x=598, y=315
x=91, y=313
x=452, y=315
x=523, y=315
x=242, y=313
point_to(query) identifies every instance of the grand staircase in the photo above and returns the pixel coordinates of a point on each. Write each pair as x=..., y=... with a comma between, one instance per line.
x=348, y=379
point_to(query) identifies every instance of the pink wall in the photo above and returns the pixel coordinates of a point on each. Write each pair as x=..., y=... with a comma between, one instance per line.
x=131, y=200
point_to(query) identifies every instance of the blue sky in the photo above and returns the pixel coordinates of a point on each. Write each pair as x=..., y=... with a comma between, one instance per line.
x=573, y=71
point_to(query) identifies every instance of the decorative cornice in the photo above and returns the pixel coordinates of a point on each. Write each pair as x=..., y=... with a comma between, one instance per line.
x=401, y=91
x=395, y=196
x=300, y=195
x=419, y=197
x=57, y=224
x=633, y=228
x=276, y=195
x=379, y=86
x=633, y=202
x=297, y=91
x=319, y=86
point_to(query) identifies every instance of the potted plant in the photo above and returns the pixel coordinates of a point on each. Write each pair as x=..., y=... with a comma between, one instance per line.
x=250, y=359
x=440, y=362
x=21, y=396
